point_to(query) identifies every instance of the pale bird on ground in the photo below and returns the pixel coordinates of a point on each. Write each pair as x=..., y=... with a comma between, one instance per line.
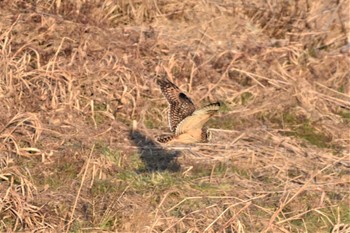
x=185, y=122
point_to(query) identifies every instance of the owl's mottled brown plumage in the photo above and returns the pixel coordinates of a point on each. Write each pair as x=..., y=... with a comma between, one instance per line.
x=185, y=121
x=193, y=136
x=180, y=105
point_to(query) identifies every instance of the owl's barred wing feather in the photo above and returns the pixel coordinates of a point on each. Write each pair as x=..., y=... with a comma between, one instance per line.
x=184, y=121
x=181, y=106
x=179, y=112
x=169, y=89
x=193, y=136
x=197, y=119
x=165, y=138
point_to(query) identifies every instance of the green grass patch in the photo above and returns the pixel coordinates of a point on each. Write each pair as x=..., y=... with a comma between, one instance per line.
x=241, y=172
x=57, y=177
x=115, y=156
x=135, y=162
x=149, y=123
x=75, y=227
x=224, y=107
x=212, y=189
x=345, y=114
x=100, y=107
x=220, y=170
x=191, y=204
x=99, y=116
x=301, y=128
x=64, y=173
x=108, y=224
x=246, y=97
x=267, y=179
x=308, y=133
x=294, y=172
x=101, y=187
x=123, y=119
x=341, y=89
x=317, y=221
x=211, y=180
x=150, y=181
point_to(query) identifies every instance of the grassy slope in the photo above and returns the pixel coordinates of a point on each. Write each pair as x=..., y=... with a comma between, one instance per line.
x=76, y=78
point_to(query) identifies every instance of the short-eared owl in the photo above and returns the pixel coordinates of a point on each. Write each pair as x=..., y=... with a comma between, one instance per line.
x=185, y=121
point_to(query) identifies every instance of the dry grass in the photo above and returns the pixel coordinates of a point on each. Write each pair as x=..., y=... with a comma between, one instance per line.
x=80, y=109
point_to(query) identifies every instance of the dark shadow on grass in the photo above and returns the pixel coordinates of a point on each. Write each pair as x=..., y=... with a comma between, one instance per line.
x=153, y=155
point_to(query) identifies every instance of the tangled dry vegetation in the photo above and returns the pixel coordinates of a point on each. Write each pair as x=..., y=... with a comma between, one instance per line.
x=79, y=110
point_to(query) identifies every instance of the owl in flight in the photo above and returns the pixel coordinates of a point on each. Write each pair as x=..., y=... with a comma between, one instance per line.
x=185, y=122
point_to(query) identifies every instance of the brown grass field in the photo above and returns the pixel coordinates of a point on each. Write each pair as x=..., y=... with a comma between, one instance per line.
x=80, y=110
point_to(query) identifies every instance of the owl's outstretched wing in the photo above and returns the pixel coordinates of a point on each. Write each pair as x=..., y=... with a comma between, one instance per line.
x=197, y=119
x=181, y=106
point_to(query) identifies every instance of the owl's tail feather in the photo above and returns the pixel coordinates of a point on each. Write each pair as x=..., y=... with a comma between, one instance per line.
x=209, y=109
x=212, y=108
x=165, y=138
